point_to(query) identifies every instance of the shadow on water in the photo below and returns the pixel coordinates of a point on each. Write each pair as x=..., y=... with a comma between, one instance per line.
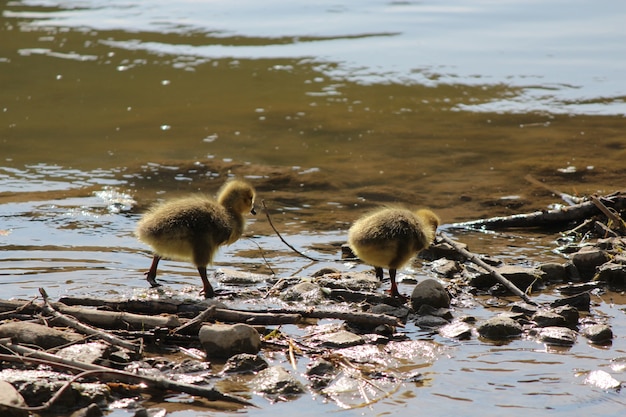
x=108, y=107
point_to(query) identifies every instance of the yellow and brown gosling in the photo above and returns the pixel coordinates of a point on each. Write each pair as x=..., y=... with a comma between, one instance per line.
x=193, y=228
x=390, y=237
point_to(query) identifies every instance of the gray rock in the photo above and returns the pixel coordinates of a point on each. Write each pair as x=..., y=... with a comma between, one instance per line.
x=235, y=277
x=558, y=336
x=9, y=396
x=85, y=352
x=580, y=301
x=602, y=380
x=598, y=333
x=276, y=383
x=430, y=322
x=553, y=272
x=499, y=328
x=519, y=276
x=445, y=267
x=90, y=411
x=526, y=309
x=429, y=292
x=340, y=339
x=307, y=292
x=570, y=314
x=613, y=274
x=320, y=372
x=37, y=334
x=586, y=261
x=428, y=310
x=355, y=281
x=400, y=312
x=456, y=330
x=549, y=319
x=226, y=340
x=244, y=363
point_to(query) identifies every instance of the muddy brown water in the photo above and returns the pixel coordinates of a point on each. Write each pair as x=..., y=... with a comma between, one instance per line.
x=330, y=109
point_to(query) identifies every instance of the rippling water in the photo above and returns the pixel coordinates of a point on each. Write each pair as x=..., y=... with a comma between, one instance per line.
x=329, y=108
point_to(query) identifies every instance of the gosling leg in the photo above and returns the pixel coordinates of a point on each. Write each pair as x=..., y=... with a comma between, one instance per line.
x=152, y=272
x=379, y=273
x=208, y=289
x=394, y=287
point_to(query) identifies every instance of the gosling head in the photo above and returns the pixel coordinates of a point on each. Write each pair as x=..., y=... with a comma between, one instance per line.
x=430, y=220
x=237, y=196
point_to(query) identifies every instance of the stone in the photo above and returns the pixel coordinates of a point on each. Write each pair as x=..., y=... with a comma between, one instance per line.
x=354, y=281
x=85, y=352
x=92, y=410
x=519, y=276
x=570, y=314
x=9, y=396
x=580, y=301
x=603, y=380
x=320, y=373
x=456, y=330
x=340, y=339
x=445, y=267
x=430, y=322
x=553, y=272
x=235, y=277
x=37, y=334
x=587, y=261
x=613, y=274
x=428, y=310
x=276, y=383
x=598, y=333
x=430, y=292
x=244, y=363
x=524, y=308
x=306, y=292
x=499, y=328
x=548, y=319
x=557, y=336
x=226, y=340
x=400, y=312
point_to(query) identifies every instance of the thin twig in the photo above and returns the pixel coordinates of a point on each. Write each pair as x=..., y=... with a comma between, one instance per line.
x=614, y=218
x=269, y=219
x=263, y=256
x=569, y=199
x=475, y=259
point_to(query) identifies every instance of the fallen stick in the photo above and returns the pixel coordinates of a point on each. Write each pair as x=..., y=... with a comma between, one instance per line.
x=569, y=199
x=548, y=217
x=210, y=394
x=269, y=219
x=205, y=315
x=476, y=260
x=613, y=218
x=85, y=329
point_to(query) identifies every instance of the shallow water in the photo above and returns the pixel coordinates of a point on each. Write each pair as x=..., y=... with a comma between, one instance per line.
x=329, y=109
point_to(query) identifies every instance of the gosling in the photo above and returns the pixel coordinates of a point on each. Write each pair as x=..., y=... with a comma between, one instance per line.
x=390, y=237
x=193, y=228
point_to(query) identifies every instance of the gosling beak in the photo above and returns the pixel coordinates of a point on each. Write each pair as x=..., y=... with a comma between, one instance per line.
x=253, y=211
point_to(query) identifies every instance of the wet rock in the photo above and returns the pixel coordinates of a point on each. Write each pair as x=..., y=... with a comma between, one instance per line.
x=90, y=411
x=430, y=292
x=521, y=277
x=613, y=274
x=235, y=277
x=602, y=380
x=524, y=308
x=598, y=333
x=354, y=281
x=445, y=267
x=499, y=328
x=320, y=372
x=428, y=310
x=456, y=330
x=9, y=396
x=430, y=322
x=553, y=272
x=340, y=339
x=570, y=314
x=549, y=319
x=579, y=288
x=572, y=272
x=37, y=334
x=558, y=336
x=276, y=383
x=400, y=312
x=244, y=363
x=85, y=352
x=580, y=301
x=150, y=412
x=225, y=340
x=306, y=292
x=587, y=260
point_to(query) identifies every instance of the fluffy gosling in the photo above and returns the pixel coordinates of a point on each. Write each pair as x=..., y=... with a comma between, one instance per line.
x=193, y=228
x=390, y=237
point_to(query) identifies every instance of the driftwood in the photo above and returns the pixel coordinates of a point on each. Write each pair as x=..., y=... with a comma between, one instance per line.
x=357, y=317
x=476, y=260
x=28, y=354
x=84, y=329
x=568, y=214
